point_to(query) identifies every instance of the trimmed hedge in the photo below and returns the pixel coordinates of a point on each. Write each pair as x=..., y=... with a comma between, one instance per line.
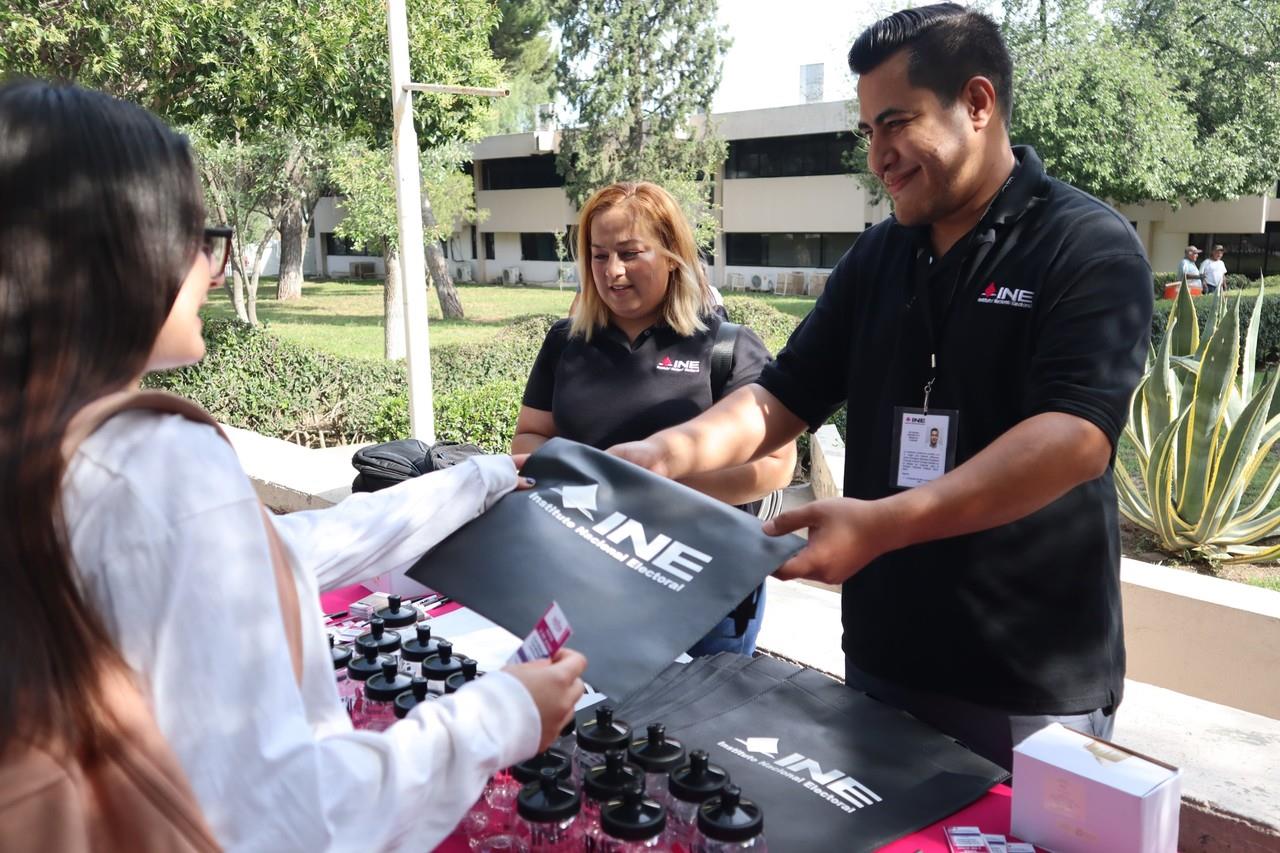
x=254, y=380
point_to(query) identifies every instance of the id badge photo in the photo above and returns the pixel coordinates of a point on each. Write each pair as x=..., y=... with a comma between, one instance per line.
x=924, y=445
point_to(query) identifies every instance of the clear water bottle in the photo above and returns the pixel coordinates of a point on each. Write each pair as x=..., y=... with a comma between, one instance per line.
x=395, y=616
x=531, y=770
x=633, y=824
x=657, y=755
x=454, y=683
x=411, y=698
x=361, y=668
x=346, y=687
x=727, y=823
x=548, y=810
x=384, y=641
x=380, y=694
x=602, y=783
x=413, y=652
x=595, y=738
x=437, y=668
x=690, y=786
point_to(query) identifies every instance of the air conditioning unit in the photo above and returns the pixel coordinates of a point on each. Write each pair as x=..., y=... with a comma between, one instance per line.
x=363, y=269
x=511, y=275
x=736, y=281
x=763, y=281
x=818, y=283
x=462, y=271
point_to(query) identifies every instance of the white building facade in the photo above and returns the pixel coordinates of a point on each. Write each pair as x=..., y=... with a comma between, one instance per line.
x=789, y=209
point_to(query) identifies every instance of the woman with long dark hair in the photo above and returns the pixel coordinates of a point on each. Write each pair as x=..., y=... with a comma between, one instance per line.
x=147, y=549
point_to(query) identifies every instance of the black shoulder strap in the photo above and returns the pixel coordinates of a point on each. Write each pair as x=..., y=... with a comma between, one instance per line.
x=722, y=357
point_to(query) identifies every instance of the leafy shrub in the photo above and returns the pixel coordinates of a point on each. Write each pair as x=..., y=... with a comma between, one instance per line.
x=773, y=326
x=484, y=416
x=1268, y=330
x=1236, y=281
x=254, y=380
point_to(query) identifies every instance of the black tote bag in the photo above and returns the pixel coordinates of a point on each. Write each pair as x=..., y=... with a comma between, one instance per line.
x=833, y=768
x=641, y=566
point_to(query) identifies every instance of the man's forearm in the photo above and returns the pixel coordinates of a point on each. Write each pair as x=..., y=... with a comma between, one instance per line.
x=746, y=425
x=1027, y=468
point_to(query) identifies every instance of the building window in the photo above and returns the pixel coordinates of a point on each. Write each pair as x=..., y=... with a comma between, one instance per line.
x=813, y=251
x=792, y=156
x=489, y=253
x=1244, y=254
x=538, y=247
x=520, y=173
x=335, y=245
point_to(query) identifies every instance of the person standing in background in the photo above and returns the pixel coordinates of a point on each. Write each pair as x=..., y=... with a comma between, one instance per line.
x=1213, y=271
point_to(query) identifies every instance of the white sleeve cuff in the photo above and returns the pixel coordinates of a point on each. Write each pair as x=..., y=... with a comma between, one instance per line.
x=498, y=474
x=505, y=710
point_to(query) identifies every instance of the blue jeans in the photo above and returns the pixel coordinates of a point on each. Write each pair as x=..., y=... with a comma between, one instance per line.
x=721, y=638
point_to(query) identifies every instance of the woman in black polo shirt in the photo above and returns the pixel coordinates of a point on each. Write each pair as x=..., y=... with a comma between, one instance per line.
x=635, y=357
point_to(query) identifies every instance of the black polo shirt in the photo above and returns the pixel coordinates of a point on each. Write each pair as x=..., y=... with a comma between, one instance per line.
x=1051, y=313
x=609, y=390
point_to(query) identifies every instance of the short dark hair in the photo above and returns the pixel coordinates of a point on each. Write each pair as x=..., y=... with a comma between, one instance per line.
x=949, y=44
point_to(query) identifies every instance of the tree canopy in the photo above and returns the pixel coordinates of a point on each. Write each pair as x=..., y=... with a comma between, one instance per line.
x=633, y=75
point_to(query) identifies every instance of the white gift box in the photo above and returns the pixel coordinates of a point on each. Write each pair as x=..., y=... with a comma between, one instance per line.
x=1073, y=793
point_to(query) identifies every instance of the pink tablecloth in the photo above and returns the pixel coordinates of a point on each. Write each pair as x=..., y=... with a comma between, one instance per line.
x=990, y=814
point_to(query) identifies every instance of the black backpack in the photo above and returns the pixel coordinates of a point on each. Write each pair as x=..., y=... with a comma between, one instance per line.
x=381, y=465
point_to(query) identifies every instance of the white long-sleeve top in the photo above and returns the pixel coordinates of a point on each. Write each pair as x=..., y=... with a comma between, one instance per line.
x=167, y=536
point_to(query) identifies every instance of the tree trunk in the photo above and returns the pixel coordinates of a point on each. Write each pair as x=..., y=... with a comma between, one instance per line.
x=293, y=242
x=393, y=337
x=450, y=305
x=235, y=287
x=251, y=289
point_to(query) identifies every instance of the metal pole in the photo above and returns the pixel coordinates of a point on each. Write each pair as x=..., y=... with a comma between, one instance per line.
x=413, y=263
x=456, y=90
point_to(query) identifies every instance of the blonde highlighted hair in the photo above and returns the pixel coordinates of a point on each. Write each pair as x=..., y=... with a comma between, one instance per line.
x=688, y=294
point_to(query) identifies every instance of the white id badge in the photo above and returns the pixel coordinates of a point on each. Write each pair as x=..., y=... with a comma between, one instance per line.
x=924, y=445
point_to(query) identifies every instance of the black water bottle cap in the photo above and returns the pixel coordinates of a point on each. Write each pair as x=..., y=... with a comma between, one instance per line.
x=341, y=654
x=368, y=664
x=547, y=799
x=698, y=780
x=656, y=753
x=633, y=817
x=529, y=771
x=728, y=817
x=442, y=664
x=468, y=673
x=604, y=732
x=416, y=693
x=608, y=781
x=421, y=647
x=397, y=616
x=378, y=637
x=388, y=684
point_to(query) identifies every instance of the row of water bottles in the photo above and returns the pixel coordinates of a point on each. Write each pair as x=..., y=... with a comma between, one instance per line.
x=613, y=792
x=383, y=678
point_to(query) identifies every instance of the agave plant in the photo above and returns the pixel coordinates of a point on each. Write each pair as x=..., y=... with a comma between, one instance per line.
x=1202, y=424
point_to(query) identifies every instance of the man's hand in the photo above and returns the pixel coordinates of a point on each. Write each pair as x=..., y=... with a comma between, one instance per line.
x=844, y=535
x=648, y=454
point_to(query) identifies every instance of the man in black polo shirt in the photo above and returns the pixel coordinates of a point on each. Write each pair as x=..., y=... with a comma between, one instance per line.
x=1010, y=312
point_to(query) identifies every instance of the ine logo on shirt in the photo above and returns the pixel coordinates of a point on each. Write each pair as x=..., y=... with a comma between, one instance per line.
x=679, y=365
x=1016, y=297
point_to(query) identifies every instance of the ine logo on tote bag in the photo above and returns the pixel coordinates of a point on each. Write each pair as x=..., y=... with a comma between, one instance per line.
x=641, y=566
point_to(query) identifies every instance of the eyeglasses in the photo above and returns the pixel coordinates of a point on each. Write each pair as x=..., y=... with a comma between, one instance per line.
x=217, y=249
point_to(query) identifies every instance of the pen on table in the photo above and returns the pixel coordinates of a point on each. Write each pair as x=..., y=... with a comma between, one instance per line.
x=337, y=614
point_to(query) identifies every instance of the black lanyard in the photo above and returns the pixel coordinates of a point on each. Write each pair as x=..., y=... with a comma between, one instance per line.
x=968, y=262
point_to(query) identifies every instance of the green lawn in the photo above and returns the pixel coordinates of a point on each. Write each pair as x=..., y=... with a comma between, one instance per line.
x=345, y=317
